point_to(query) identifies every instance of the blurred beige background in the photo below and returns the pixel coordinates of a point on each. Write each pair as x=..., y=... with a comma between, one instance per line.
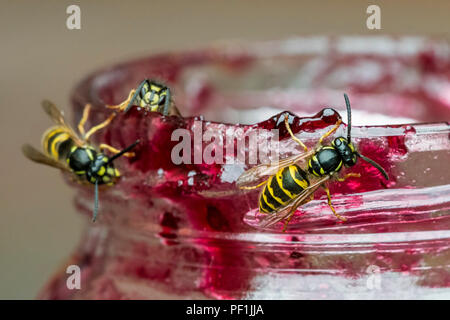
x=41, y=58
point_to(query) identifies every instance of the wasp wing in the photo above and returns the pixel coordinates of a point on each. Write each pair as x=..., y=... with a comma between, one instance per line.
x=255, y=174
x=53, y=112
x=37, y=156
x=289, y=209
x=57, y=116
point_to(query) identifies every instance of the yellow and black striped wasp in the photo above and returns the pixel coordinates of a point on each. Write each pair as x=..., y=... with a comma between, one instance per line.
x=151, y=96
x=288, y=186
x=65, y=150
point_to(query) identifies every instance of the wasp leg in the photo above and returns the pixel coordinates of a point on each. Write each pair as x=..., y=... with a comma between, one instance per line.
x=338, y=123
x=84, y=118
x=349, y=175
x=331, y=206
x=293, y=209
x=254, y=187
x=288, y=128
x=111, y=149
x=121, y=106
x=99, y=126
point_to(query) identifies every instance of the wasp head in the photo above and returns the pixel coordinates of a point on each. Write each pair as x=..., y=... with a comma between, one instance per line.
x=101, y=170
x=346, y=150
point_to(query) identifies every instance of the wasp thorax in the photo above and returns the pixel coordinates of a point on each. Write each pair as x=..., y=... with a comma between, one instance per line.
x=101, y=171
x=346, y=150
x=80, y=158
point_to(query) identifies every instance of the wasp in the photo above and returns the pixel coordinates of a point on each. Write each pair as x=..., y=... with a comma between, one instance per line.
x=149, y=95
x=66, y=150
x=289, y=186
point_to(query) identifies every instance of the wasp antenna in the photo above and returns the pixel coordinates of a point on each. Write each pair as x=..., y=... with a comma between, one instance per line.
x=376, y=165
x=117, y=155
x=130, y=103
x=349, y=118
x=94, y=217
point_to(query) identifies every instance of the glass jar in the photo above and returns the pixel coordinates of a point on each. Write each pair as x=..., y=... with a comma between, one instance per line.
x=185, y=231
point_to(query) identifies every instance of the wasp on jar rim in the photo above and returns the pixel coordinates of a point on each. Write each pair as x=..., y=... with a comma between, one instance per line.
x=151, y=96
x=288, y=186
x=65, y=150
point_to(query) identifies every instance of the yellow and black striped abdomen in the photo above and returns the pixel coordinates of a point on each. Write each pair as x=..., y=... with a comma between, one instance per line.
x=57, y=142
x=282, y=187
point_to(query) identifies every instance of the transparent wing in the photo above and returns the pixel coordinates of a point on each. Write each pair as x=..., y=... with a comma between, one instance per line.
x=255, y=174
x=37, y=156
x=56, y=115
x=289, y=209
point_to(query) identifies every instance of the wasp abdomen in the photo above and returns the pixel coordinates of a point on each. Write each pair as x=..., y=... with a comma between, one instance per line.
x=57, y=142
x=281, y=188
